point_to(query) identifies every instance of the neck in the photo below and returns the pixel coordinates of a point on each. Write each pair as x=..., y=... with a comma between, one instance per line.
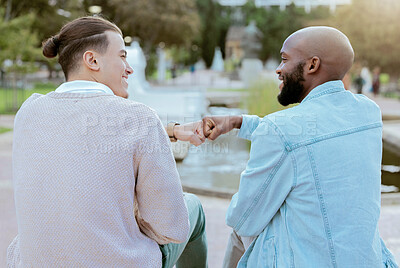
x=81, y=76
x=313, y=84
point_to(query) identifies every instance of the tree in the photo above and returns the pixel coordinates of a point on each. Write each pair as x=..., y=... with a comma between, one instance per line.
x=209, y=34
x=215, y=22
x=45, y=19
x=372, y=27
x=275, y=24
x=48, y=16
x=154, y=21
x=17, y=43
x=18, y=49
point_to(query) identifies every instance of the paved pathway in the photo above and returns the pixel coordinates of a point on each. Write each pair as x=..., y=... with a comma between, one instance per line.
x=389, y=107
x=7, y=120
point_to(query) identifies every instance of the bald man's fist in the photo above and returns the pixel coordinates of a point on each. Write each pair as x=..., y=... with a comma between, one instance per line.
x=214, y=126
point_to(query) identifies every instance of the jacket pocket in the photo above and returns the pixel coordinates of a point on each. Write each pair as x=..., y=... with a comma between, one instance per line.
x=269, y=253
x=260, y=254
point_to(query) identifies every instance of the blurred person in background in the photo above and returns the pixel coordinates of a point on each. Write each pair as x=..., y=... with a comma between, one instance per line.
x=376, y=84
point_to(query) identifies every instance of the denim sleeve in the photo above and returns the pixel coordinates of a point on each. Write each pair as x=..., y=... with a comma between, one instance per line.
x=265, y=183
x=249, y=124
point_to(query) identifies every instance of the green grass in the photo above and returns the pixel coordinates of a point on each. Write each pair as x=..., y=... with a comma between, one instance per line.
x=11, y=100
x=45, y=86
x=4, y=129
x=262, y=98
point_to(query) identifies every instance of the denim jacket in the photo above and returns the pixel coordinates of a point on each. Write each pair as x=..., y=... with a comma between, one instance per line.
x=311, y=189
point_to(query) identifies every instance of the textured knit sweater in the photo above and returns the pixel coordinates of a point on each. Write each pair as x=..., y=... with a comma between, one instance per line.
x=81, y=164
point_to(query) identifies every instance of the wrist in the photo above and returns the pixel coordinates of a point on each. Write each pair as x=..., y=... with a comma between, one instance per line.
x=171, y=131
x=237, y=121
x=176, y=130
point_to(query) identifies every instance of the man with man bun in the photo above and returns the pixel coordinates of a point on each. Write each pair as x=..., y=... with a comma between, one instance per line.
x=310, y=193
x=95, y=181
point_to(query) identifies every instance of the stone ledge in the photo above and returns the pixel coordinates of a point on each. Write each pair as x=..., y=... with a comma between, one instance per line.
x=390, y=199
x=386, y=198
x=213, y=192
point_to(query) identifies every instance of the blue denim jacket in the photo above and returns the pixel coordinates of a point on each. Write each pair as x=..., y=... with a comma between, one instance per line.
x=311, y=188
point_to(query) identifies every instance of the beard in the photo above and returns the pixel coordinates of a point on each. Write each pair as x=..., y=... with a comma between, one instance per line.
x=292, y=89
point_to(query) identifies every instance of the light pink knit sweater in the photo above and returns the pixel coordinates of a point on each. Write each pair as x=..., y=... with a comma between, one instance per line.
x=79, y=162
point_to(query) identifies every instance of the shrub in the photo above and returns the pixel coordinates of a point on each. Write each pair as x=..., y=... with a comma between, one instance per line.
x=262, y=98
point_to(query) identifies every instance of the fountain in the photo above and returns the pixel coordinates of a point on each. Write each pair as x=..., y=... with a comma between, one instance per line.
x=218, y=61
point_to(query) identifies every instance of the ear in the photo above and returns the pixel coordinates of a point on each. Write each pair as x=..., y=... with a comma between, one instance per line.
x=313, y=65
x=90, y=60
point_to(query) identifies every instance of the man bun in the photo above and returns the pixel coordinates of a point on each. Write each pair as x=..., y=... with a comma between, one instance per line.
x=50, y=47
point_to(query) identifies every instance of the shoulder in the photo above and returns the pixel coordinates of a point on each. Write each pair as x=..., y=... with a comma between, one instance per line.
x=367, y=101
x=292, y=125
x=29, y=102
x=33, y=98
x=269, y=130
x=129, y=107
x=291, y=116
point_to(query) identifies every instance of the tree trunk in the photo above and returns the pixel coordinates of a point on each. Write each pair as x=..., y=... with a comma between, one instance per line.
x=8, y=11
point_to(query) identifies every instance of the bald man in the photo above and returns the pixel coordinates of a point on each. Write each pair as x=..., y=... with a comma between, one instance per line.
x=310, y=194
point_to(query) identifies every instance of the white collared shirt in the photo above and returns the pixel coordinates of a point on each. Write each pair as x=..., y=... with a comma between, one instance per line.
x=83, y=86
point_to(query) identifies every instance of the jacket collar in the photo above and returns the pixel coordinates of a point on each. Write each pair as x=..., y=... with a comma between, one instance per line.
x=325, y=88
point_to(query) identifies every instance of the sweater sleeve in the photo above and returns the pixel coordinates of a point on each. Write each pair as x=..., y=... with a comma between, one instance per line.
x=160, y=208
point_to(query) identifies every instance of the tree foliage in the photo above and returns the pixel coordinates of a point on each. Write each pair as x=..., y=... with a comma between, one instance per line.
x=154, y=21
x=17, y=43
x=210, y=32
x=48, y=16
x=215, y=22
x=276, y=25
x=372, y=27
x=37, y=20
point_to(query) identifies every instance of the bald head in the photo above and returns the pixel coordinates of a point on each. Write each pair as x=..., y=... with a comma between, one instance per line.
x=311, y=57
x=331, y=46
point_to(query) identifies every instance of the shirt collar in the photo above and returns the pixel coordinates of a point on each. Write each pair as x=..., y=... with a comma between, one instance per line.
x=325, y=88
x=83, y=86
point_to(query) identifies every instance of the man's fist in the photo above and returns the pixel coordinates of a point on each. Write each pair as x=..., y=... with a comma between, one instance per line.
x=214, y=126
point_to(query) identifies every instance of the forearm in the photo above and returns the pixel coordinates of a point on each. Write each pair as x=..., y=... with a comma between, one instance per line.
x=191, y=132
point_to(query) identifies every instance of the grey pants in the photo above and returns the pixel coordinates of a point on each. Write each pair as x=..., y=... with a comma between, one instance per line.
x=234, y=251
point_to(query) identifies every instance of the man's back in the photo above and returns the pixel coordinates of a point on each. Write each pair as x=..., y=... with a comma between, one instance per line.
x=319, y=201
x=335, y=205
x=79, y=162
